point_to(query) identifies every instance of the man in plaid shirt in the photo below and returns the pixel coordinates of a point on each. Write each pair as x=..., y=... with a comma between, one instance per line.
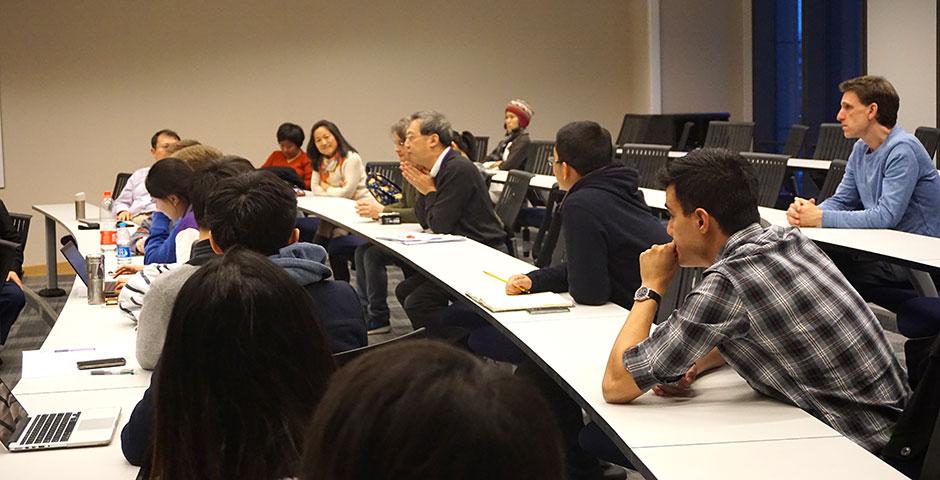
x=771, y=304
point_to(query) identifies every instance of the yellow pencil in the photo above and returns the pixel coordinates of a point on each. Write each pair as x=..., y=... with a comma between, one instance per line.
x=496, y=277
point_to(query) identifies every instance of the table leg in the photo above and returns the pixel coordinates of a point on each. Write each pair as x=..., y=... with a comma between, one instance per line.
x=52, y=278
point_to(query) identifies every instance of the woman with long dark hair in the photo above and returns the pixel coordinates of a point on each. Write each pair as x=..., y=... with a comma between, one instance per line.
x=244, y=365
x=338, y=171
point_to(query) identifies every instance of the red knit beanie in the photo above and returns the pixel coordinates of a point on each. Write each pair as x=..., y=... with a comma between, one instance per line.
x=522, y=110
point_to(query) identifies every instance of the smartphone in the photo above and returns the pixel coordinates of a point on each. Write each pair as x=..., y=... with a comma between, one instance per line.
x=101, y=363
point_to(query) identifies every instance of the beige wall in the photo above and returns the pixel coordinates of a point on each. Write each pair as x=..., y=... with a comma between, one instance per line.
x=902, y=46
x=706, y=56
x=83, y=85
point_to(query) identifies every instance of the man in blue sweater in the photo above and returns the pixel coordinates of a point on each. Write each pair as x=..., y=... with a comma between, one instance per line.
x=890, y=181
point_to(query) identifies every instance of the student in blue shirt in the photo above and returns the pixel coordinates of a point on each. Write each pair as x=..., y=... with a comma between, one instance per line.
x=890, y=181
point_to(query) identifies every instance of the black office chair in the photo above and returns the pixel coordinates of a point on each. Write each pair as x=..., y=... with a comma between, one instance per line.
x=633, y=129
x=930, y=138
x=682, y=284
x=287, y=174
x=481, y=144
x=389, y=170
x=21, y=226
x=795, y=140
x=543, y=247
x=538, y=157
x=734, y=136
x=833, y=179
x=119, y=182
x=771, y=170
x=647, y=159
x=683, y=144
x=21, y=223
x=343, y=358
x=510, y=203
x=832, y=144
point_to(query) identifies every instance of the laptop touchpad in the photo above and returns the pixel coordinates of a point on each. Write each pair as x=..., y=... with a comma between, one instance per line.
x=95, y=423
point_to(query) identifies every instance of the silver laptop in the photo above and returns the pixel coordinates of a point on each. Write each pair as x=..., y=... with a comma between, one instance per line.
x=21, y=432
x=77, y=261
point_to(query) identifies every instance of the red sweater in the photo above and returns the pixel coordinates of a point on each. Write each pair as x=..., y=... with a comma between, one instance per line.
x=301, y=165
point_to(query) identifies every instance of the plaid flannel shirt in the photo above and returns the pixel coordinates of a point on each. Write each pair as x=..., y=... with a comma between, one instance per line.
x=784, y=317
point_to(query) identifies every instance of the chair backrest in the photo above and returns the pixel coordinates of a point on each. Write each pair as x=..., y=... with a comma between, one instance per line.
x=683, y=144
x=481, y=144
x=543, y=246
x=930, y=138
x=832, y=144
x=682, y=284
x=735, y=136
x=633, y=129
x=287, y=174
x=771, y=170
x=119, y=182
x=389, y=170
x=795, y=140
x=647, y=159
x=342, y=358
x=21, y=226
x=538, y=157
x=833, y=179
x=512, y=198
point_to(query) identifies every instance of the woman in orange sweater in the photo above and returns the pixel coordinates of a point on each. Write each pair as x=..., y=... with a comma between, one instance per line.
x=291, y=137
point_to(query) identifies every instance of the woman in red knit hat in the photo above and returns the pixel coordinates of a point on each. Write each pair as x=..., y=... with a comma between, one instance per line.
x=510, y=154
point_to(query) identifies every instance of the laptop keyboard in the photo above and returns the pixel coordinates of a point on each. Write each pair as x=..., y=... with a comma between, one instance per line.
x=51, y=428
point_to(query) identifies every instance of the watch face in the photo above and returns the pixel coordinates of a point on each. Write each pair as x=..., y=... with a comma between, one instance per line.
x=642, y=293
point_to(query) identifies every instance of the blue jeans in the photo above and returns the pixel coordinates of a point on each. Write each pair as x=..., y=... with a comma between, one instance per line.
x=12, y=300
x=372, y=281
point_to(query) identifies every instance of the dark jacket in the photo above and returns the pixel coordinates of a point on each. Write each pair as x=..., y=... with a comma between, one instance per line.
x=461, y=205
x=337, y=302
x=518, y=144
x=7, y=232
x=606, y=225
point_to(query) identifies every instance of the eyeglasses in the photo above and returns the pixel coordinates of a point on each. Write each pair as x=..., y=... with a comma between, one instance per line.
x=410, y=138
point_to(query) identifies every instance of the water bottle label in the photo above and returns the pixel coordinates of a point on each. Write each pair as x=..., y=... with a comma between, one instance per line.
x=108, y=237
x=124, y=251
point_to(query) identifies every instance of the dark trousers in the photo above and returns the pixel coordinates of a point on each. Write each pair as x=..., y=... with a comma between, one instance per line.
x=12, y=301
x=877, y=281
x=424, y=302
x=372, y=280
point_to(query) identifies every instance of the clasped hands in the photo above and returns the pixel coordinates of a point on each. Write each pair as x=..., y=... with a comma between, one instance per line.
x=419, y=177
x=804, y=213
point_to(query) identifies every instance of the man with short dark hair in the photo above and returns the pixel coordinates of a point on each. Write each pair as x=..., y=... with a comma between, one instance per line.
x=452, y=199
x=770, y=303
x=890, y=182
x=256, y=210
x=605, y=220
x=134, y=202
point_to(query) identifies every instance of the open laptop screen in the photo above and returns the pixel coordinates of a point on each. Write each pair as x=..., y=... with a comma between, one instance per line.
x=75, y=259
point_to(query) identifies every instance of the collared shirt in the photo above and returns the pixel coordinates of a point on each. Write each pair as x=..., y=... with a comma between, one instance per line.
x=787, y=321
x=135, y=197
x=437, y=164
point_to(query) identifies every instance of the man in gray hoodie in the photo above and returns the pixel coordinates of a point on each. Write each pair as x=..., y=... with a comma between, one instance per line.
x=257, y=210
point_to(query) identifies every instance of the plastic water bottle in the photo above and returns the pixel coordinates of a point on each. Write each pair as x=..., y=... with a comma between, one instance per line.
x=106, y=223
x=124, y=250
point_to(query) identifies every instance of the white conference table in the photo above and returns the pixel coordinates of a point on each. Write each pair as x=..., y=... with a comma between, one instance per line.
x=573, y=348
x=918, y=252
x=74, y=463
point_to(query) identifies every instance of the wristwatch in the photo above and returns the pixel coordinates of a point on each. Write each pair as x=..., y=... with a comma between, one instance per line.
x=645, y=293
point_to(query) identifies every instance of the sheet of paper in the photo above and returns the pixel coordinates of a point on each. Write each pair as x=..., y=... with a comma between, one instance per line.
x=419, y=238
x=60, y=362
